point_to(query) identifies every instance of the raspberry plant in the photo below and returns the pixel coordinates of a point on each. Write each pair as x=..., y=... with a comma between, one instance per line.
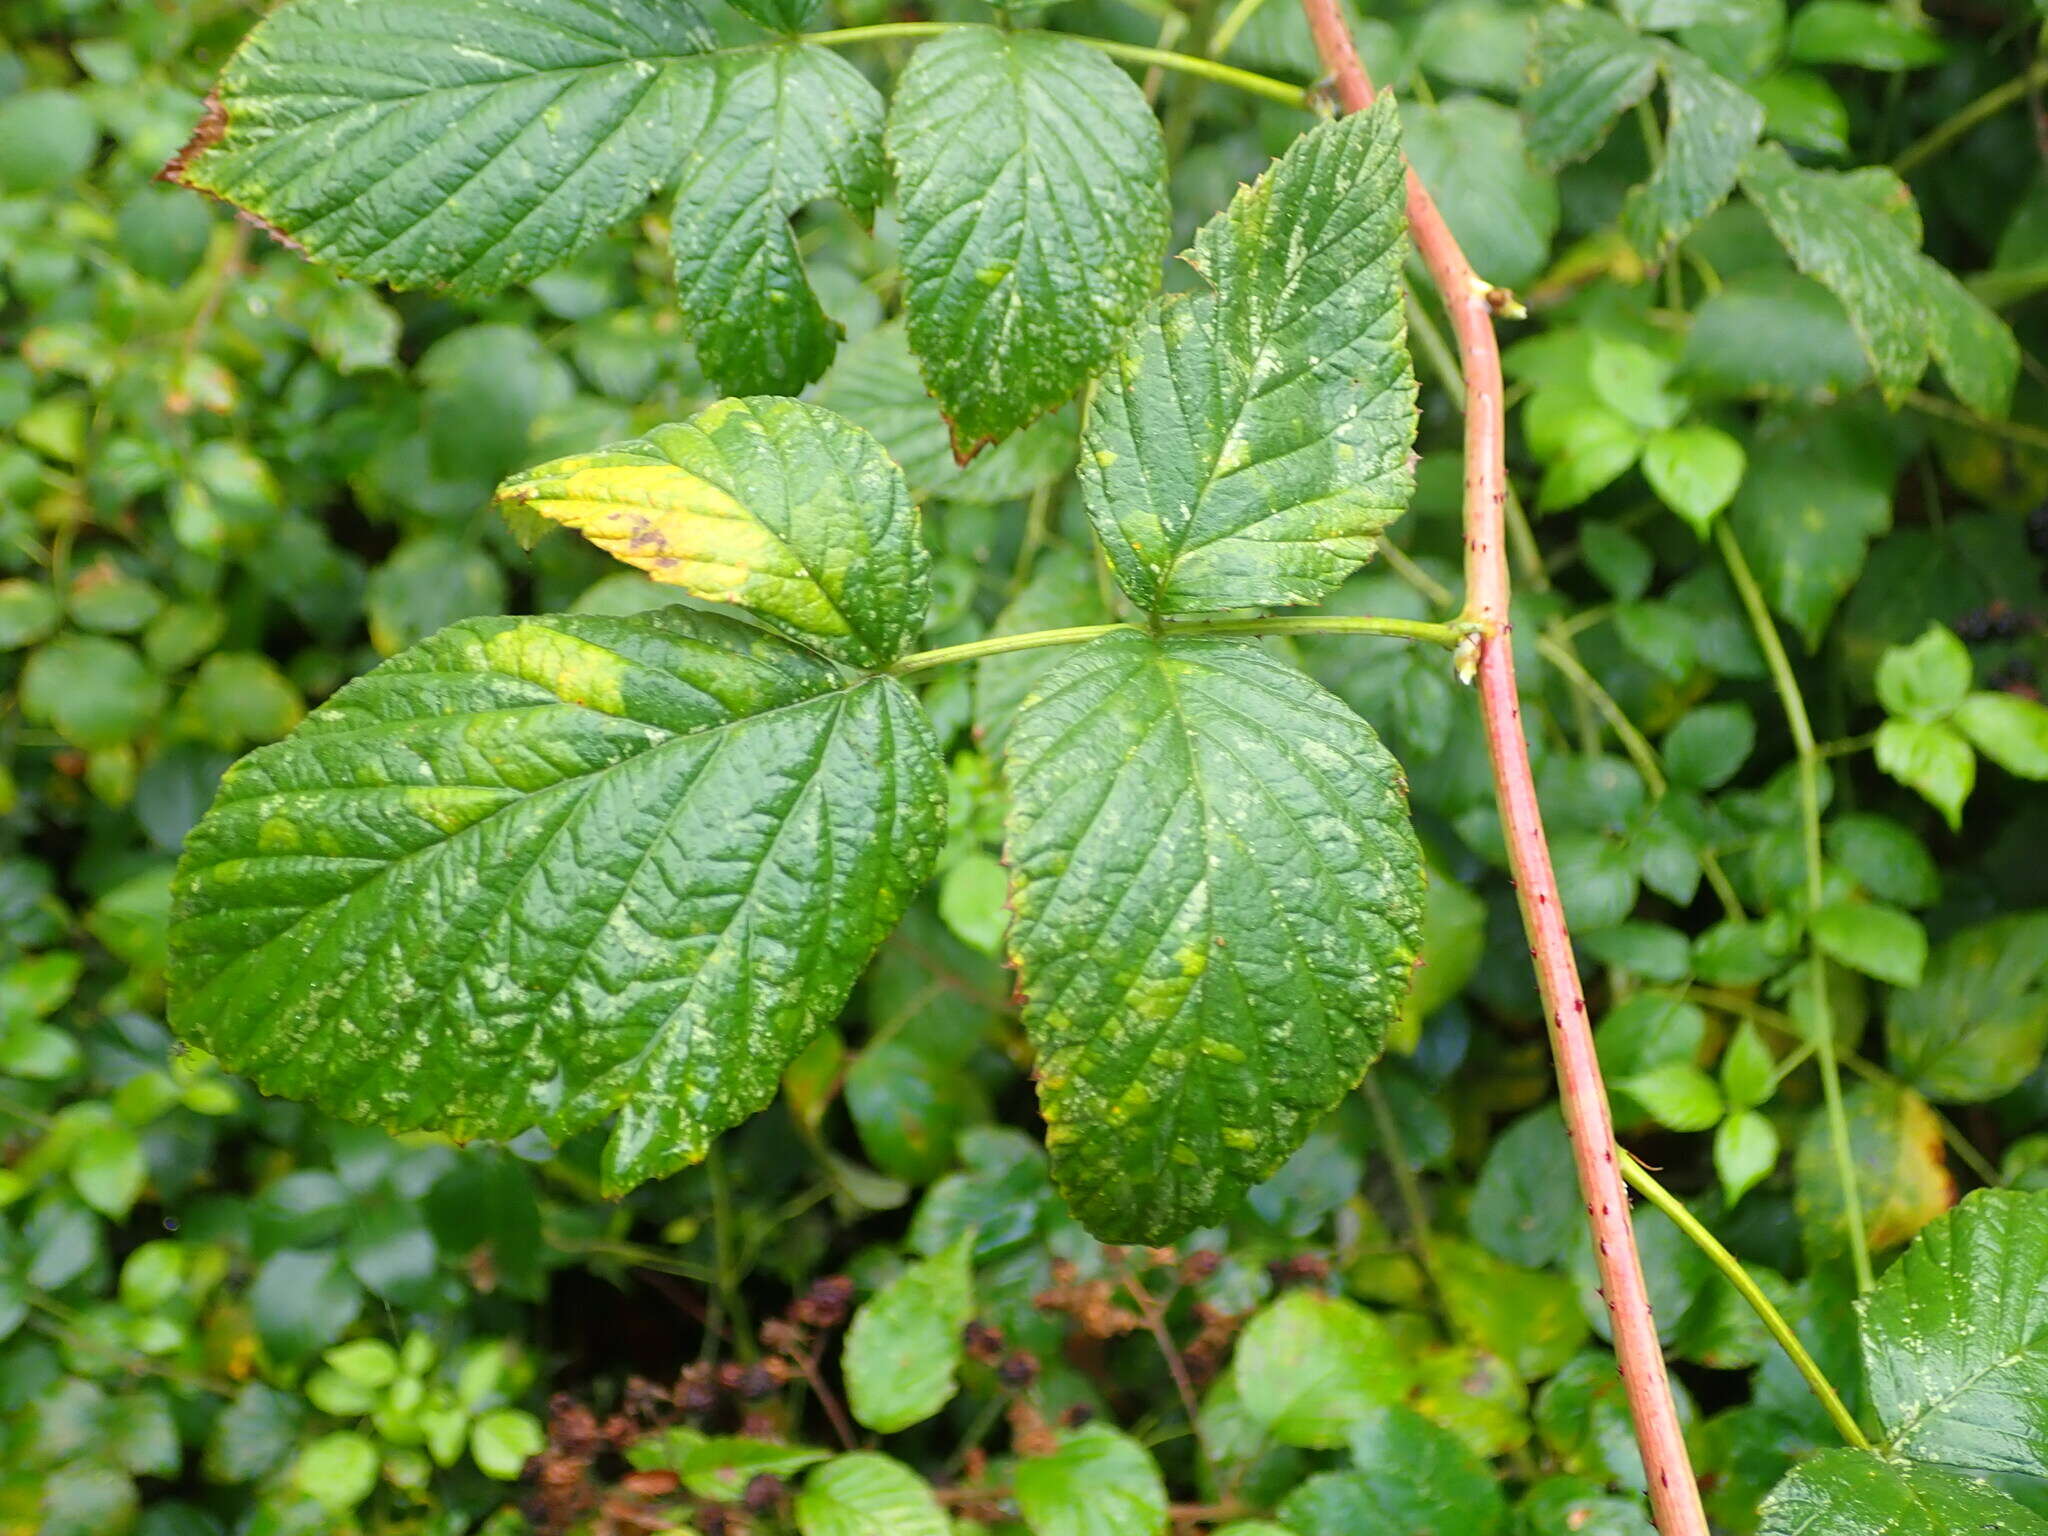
x=547, y=873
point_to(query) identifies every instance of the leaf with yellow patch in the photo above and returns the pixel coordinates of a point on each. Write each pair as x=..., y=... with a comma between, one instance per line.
x=1218, y=904
x=779, y=507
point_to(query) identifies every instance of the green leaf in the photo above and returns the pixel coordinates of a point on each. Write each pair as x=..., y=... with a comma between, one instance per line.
x=1710, y=124
x=778, y=507
x=1877, y=940
x=1217, y=899
x=1748, y=1069
x=1678, y=1095
x=739, y=829
x=1588, y=69
x=502, y=1441
x=866, y=1494
x=1846, y=230
x=778, y=15
x=366, y=1362
x=1955, y=1338
x=1927, y=679
x=1860, y=33
x=337, y=1471
x=904, y=1346
x=1818, y=358
x=1886, y=860
x=1745, y=1152
x=780, y=127
x=1695, y=471
x=107, y=1168
x=491, y=139
x=1254, y=437
x=1977, y=1025
x=1529, y=1318
x=1099, y=1482
x=2010, y=730
x=92, y=691
x=1817, y=492
x=1409, y=1476
x=1504, y=213
x=1309, y=1367
x=1708, y=747
x=874, y=383
x=1901, y=1178
x=1520, y=1209
x=1932, y=757
x=1035, y=217
x=252, y=1435
x=1854, y=1493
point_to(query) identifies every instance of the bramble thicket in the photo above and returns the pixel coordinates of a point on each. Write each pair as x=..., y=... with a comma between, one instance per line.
x=1248, y=766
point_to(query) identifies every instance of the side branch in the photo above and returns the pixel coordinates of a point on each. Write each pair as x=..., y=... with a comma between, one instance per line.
x=1471, y=303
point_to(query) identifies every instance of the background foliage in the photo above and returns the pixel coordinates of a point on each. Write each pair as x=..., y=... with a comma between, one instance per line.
x=230, y=481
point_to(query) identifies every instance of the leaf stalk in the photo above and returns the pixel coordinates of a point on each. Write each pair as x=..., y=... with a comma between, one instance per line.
x=1732, y=1270
x=1446, y=635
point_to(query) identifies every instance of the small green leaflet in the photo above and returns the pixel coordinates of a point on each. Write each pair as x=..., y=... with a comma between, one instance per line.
x=904, y=1346
x=866, y=1494
x=1310, y=1367
x=779, y=507
x=476, y=143
x=783, y=126
x=1251, y=440
x=1218, y=903
x=1859, y=233
x=533, y=871
x=1589, y=68
x=1100, y=1482
x=1035, y=218
x=1955, y=1338
x=1853, y=1493
x=1408, y=1475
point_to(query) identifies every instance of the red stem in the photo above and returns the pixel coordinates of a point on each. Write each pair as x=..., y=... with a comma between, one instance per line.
x=1674, y=1495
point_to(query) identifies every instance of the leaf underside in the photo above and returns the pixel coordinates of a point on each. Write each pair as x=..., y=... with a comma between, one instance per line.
x=1217, y=899
x=533, y=871
x=779, y=507
x=1250, y=441
x=1035, y=220
x=472, y=144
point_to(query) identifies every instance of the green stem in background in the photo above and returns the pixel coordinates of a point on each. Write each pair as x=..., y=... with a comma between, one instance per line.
x=1822, y=1021
x=1990, y=104
x=1633, y=742
x=1234, y=23
x=1731, y=1267
x=1447, y=635
x=1406, y=1185
x=1947, y=410
x=1132, y=53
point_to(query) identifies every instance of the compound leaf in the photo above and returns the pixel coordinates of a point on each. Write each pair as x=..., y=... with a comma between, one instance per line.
x=782, y=508
x=782, y=127
x=532, y=871
x=1218, y=902
x=1858, y=233
x=1251, y=440
x=476, y=143
x=1853, y=1493
x=1033, y=181
x=1955, y=1338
